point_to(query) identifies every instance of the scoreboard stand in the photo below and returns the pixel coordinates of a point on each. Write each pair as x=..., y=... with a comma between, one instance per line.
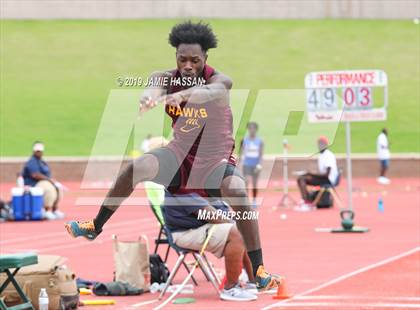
x=324, y=103
x=286, y=200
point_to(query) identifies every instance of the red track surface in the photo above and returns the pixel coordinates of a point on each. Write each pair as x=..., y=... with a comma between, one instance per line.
x=291, y=247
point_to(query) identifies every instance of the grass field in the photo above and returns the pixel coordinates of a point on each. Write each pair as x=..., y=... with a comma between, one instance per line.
x=56, y=75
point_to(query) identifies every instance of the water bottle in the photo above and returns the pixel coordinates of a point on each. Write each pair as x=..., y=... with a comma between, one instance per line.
x=43, y=299
x=19, y=181
x=380, y=205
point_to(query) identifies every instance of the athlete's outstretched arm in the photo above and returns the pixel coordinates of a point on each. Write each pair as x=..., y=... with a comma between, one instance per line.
x=216, y=90
x=153, y=92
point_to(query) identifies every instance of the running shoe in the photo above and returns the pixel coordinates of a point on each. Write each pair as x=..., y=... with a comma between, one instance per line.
x=49, y=215
x=250, y=287
x=237, y=293
x=82, y=229
x=266, y=281
x=59, y=215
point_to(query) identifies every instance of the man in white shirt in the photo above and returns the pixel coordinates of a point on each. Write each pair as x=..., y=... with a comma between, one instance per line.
x=382, y=148
x=328, y=173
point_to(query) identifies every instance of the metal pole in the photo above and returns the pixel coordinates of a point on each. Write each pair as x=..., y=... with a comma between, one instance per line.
x=286, y=199
x=285, y=169
x=348, y=159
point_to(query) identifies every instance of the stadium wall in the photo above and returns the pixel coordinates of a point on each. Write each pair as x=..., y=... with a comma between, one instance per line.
x=275, y=9
x=73, y=169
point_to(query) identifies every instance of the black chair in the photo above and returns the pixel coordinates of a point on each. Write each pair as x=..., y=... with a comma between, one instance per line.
x=330, y=188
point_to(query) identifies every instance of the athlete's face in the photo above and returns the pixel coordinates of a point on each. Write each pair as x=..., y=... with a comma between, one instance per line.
x=190, y=60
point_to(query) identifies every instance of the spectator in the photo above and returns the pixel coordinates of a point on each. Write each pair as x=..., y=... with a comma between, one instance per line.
x=6, y=212
x=251, y=154
x=36, y=172
x=328, y=174
x=382, y=147
x=182, y=213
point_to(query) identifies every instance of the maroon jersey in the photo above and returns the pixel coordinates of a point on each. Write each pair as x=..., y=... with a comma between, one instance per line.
x=202, y=138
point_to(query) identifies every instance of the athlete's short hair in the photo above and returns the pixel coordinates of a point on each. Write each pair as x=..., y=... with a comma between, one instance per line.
x=193, y=33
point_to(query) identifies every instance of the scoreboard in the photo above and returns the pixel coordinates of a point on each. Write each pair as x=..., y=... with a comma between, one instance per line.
x=346, y=96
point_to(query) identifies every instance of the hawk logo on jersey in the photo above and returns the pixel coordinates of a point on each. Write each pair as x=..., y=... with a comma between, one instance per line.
x=190, y=125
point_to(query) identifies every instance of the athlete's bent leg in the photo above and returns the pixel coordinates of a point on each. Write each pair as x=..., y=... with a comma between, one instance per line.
x=141, y=169
x=302, y=185
x=255, y=177
x=233, y=189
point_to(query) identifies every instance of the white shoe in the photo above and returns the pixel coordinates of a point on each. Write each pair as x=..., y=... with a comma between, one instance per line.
x=383, y=180
x=48, y=215
x=237, y=293
x=59, y=215
x=251, y=287
x=304, y=207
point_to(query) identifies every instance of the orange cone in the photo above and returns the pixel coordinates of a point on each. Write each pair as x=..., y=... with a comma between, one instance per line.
x=282, y=290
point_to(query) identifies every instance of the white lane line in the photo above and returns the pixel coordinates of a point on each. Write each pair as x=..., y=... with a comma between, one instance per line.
x=143, y=303
x=48, y=235
x=82, y=243
x=63, y=239
x=345, y=276
x=337, y=305
x=58, y=238
x=97, y=201
x=355, y=297
x=122, y=233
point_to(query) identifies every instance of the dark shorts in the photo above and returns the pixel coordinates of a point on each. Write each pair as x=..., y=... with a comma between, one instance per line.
x=317, y=180
x=251, y=171
x=384, y=163
x=174, y=176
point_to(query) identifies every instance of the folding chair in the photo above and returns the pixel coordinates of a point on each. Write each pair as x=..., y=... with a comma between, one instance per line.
x=156, y=195
x=329, y=188
x=16, y=261
x=202, y=260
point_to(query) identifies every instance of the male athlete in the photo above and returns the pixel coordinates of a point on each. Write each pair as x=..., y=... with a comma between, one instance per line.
x=199, y=158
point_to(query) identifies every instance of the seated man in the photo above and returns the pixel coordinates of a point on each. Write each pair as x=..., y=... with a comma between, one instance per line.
x=182, y=215
x=37, y=173
x=328, y=173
